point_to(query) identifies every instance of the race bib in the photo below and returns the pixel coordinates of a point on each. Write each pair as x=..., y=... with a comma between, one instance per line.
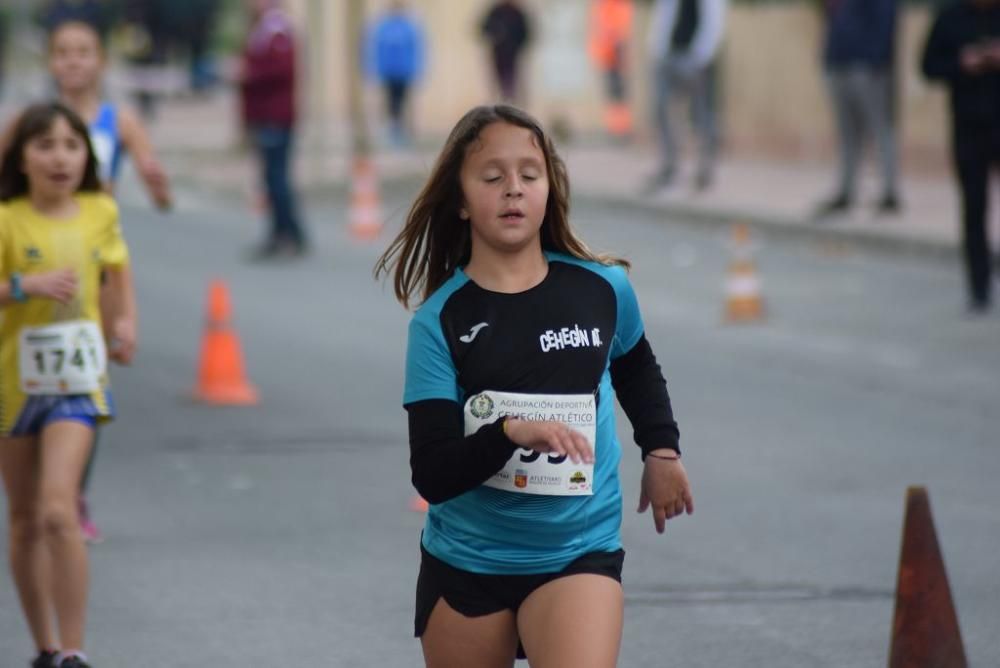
x=66, y=358
x=527, y=471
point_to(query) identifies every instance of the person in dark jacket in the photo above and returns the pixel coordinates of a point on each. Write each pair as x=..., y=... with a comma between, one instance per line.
x=268, y=86
x=963, y=51
x=395, y=56
x=507, y=31
x=92, y=12
x=858, y=60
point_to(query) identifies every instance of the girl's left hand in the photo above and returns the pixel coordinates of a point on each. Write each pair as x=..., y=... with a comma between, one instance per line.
x=157, y=182
x=665, y=487
x=121, y=346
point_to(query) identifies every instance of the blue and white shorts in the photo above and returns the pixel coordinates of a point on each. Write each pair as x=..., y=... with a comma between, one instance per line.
x=42, y=410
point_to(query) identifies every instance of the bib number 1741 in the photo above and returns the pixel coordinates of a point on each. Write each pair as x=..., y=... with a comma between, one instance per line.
x=66, y=358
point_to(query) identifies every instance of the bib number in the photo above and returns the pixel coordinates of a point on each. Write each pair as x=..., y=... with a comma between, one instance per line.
x=528, y=471
x=66, y=358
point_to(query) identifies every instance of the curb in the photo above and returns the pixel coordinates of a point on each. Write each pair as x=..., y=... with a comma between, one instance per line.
x=786, y=228
x=764, y=224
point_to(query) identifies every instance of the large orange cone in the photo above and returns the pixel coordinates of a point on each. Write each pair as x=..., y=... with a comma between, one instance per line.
x=744, y=302
x=925, y=631
x=221, y=379
x=366, y=212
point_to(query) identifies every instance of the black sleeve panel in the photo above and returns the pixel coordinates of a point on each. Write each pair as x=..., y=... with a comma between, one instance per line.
x=642, y=392
x=445, y=463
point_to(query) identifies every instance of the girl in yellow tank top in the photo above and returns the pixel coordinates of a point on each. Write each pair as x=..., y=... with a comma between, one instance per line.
x=58, y=234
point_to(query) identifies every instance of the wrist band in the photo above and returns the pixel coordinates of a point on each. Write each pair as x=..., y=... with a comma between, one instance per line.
x=503, y=424
x=667, y=458
x=16, y=291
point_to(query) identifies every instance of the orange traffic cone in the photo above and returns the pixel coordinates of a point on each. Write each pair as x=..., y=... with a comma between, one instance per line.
x=618, y=119
x=365, y=212
x=220, y=372
x=743, y=299
x=925, y=631
x=418, y=504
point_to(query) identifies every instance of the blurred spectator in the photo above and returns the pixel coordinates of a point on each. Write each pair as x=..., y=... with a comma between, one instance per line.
x=608, y=44
x=97, y=13
x=395, y=56
x=963, y=51
x=268, y=90
x=3, y=45
x=684, y=40
x=508, y=31
x=193, y=24
x=858, y=59
x=147, y=44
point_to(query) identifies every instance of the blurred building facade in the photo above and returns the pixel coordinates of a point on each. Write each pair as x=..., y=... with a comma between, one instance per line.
x=772, y=91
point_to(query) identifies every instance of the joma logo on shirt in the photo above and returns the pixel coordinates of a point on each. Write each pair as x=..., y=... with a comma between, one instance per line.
x=33, y=254
x=558, y=339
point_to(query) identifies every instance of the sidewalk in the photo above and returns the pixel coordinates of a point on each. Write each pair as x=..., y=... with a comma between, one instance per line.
x=199, y=139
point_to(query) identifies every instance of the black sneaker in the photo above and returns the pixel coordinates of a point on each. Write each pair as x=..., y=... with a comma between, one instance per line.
x=832, y=207
x=45, y=659
x=888, y=206
x=658, y=181
x=978, y=306
x=74, y=662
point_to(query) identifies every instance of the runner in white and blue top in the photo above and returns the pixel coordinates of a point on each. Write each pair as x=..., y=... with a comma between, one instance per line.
x=107, y=142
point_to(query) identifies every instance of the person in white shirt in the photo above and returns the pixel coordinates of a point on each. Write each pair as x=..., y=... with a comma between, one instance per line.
x=684, y=41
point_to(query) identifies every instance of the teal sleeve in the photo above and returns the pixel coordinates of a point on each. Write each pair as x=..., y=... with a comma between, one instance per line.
x=430, y=372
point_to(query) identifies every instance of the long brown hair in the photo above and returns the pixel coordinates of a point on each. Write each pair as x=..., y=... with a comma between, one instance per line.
x=34, y=121
x=435, y=241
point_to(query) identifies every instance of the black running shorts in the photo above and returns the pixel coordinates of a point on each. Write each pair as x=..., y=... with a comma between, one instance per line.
x=478, y=594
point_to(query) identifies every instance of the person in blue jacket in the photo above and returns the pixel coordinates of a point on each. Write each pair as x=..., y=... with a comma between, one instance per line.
x=858, y=59
x=395, y=55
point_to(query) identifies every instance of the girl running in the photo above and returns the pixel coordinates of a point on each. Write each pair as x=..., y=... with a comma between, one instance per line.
x=523, y=339
x=58, y=234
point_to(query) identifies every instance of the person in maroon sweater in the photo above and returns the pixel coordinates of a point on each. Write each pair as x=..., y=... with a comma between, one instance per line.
x=267, y=81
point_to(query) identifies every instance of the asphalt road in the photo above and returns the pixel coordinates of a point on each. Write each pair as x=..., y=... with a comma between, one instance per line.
x=280, y=535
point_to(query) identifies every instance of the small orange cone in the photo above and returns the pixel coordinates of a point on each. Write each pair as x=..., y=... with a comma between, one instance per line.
x=418, y=504
x=925, y=631
x=743, y=299
x=366, y=212
x=220, y=372
x=618, y=119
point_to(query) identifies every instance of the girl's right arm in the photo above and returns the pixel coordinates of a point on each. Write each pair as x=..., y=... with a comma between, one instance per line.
x=59, y=285
x=445, y=463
